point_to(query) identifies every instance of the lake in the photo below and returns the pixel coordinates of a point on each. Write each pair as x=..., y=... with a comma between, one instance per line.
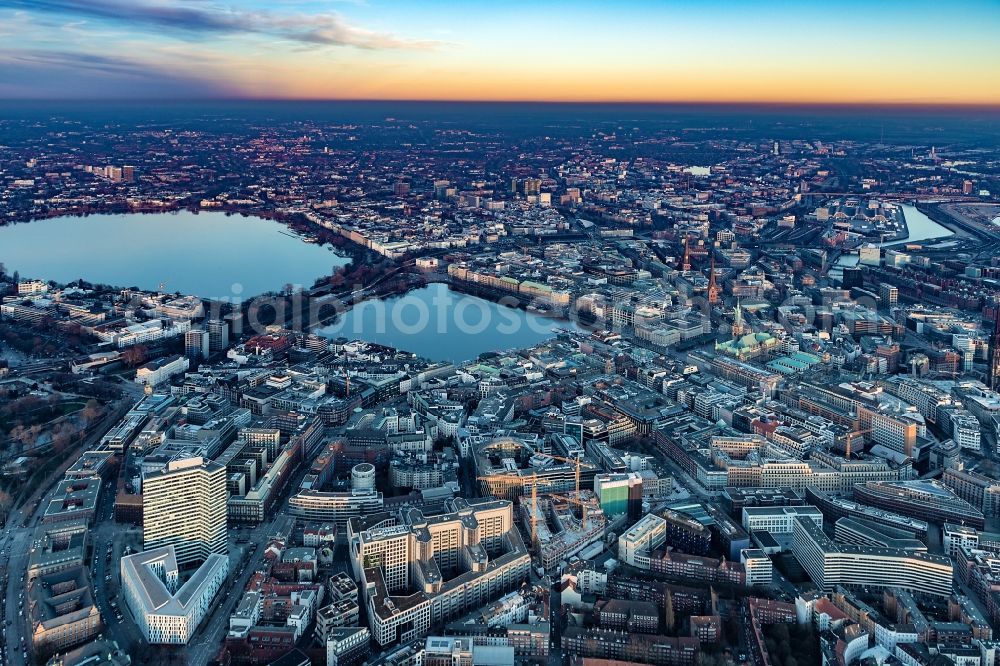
x=207, y=254
x=443, y=325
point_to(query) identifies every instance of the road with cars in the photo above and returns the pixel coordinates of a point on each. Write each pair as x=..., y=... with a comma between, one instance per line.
x=16, y=545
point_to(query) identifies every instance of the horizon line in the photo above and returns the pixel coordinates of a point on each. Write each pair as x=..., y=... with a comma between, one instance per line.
x=981, y=106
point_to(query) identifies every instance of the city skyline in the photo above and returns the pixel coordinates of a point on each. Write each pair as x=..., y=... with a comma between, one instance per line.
x=765, y=52
x=377, y=333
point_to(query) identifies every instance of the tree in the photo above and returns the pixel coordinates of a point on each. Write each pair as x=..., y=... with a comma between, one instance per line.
x=6, y=501
x=781, y=635
x=91, y=411
x=62, y=437
x=134, y=356
x=21, y=436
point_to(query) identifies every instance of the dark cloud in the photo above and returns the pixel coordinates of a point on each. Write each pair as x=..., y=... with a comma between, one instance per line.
x=203, y=18
x=45, y=74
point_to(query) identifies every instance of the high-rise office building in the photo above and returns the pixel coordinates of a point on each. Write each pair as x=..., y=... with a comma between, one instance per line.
x=128, y=173
x=197, y=343
x=889, y=294
x=994, y=367
x=184, y=505
x=532, y=186
x=853, y=276
x=218, y=335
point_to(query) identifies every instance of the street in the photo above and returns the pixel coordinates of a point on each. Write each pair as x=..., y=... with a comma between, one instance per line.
x=15, y=547
x=208, y=639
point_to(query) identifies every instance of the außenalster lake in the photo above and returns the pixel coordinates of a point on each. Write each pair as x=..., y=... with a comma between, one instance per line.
x=443, y=325
x=203, y=254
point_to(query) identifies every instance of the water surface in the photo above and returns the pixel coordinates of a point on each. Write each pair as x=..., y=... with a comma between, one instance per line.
x=207, y=254
x=443, y=325
x=920, y=226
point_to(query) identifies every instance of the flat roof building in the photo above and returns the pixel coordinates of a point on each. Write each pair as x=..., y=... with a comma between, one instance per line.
x=335, y=507
x=924, y=498
x=416, y=570
x=184, y=505
x=866, y=533
x=73, y=499
x=637, y=542
x=829, y=564
x=778, y=519
x=57, y=546
x=165, y=610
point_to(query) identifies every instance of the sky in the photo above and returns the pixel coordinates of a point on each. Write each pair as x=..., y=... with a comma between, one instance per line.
x=796, y=51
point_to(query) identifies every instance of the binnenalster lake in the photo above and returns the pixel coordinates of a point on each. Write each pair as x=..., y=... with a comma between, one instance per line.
x=204, y=254
x=444, y=325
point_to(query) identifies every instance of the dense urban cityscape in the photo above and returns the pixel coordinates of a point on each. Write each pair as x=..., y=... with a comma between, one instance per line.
x=574, y=386
x=561, y=333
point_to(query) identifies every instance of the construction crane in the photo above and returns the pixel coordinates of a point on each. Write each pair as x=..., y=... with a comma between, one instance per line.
x=851, y=436
x=578, y=462
x=584, y=506
x=534, y=480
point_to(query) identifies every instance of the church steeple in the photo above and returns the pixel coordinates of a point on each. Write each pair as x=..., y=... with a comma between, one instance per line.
x=686, y=265
x=713, y=288
x=738, y=325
